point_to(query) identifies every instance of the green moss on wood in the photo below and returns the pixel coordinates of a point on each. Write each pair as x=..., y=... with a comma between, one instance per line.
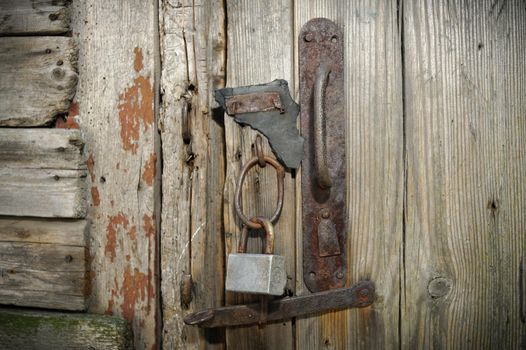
x=21, y=328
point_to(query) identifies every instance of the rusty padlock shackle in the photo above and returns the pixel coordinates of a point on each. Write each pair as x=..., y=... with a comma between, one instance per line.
x=269, y=235
x=280, y=173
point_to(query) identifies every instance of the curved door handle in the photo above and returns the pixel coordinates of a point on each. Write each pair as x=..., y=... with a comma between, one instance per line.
x=320, y=145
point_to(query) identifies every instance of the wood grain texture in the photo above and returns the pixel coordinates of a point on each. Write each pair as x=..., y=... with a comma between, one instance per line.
x=193, y=53
x=466, y=169
x=259, y=50
x=43, y=173
x=43, y=263
x=38, y=78
x=34, y=17
x=375, y=174
x=117, y=99
x=25, y=329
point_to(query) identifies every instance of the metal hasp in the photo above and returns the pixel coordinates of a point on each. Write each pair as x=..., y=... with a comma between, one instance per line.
x=269, y=109
x=359, y=295
x=323, y=183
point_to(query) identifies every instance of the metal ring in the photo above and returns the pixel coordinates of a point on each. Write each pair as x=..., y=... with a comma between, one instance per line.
x=259, y=152
x=280, y=173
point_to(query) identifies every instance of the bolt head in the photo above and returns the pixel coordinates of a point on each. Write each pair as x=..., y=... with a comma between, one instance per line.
x=308, y=37
x=339, y=275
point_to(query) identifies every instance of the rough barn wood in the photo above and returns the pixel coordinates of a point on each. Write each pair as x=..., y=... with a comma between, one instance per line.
x=43, y=263
x=37, y=79
x=34, y=17
x=43, y=173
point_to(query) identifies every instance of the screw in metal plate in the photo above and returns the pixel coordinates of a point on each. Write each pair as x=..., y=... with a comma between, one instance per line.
x=339, y=275
x=308, y=37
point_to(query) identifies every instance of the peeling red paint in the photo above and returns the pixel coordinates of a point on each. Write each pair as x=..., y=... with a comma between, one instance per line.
x=137, y=62
x=136, y=103
x=133, y=233
x=90, y=163
x=73, y=109
x=95, y=196
x=111, y=233
x=111, y=301
x=68, y=123
x=134, y=287
x=149, y=228
x=148, y=174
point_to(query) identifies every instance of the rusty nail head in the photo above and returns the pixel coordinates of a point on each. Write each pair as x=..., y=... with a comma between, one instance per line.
x=308, y=37
x=339, y=275
x=325, y=213
x=364, y=292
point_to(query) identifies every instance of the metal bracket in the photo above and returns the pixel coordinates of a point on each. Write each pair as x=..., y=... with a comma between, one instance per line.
x=359, y=295
x=323, y=126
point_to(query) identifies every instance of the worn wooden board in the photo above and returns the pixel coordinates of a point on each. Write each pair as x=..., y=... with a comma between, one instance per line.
x=34, y=17
x=43, y=263
x=43, y=173
x=259, y=50
x=37, y=79
x=193, y=54
x=117, y=94
x=373, y=93
x=27, y=329
x=465, y=238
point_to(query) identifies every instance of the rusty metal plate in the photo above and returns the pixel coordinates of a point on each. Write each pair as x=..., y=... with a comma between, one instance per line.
x=323, y=126
x=253, y=103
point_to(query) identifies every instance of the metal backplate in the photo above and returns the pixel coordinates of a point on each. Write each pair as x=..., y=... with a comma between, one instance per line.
x=324, y=209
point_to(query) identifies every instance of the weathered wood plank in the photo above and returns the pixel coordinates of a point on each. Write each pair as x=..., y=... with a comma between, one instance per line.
x=43, y=263
x=193, y=53
x=25, y=329
x=37, y=79
x=117, y=96
x=43, y=173
x=34, y=17
x=375, y=174
x=260, y=49
x=466, y=168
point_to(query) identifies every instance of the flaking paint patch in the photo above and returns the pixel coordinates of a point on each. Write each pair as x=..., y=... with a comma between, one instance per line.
x=90, y=163
x=149, y=228
x=95, y=196
x=148, y=173
x=111, y=301
x=137, y=62
x=134, y=288
x=68, y=123
x=111, y=234
x=133, y=233
x=136, y=104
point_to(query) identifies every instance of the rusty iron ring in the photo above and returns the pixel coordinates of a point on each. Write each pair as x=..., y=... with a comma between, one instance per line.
x=259, y=152
x=280, y=173
x=269, y=235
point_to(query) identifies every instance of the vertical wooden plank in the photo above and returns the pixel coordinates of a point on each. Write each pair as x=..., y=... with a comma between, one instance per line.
x=375, y=173
x=118, y=59
x=259, y=50
x=193, y=42
x=466, y=170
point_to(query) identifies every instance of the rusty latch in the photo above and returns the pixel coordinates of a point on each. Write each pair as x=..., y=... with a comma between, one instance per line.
x=359, y=295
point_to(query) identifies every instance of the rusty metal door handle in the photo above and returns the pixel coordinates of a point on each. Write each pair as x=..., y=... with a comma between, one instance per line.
x=320, y=146
x=323, y=172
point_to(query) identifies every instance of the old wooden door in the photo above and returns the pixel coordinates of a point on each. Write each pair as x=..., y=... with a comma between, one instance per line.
x=436, y=169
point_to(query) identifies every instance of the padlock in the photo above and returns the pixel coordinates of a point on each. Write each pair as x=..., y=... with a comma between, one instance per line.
x=256, y=273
